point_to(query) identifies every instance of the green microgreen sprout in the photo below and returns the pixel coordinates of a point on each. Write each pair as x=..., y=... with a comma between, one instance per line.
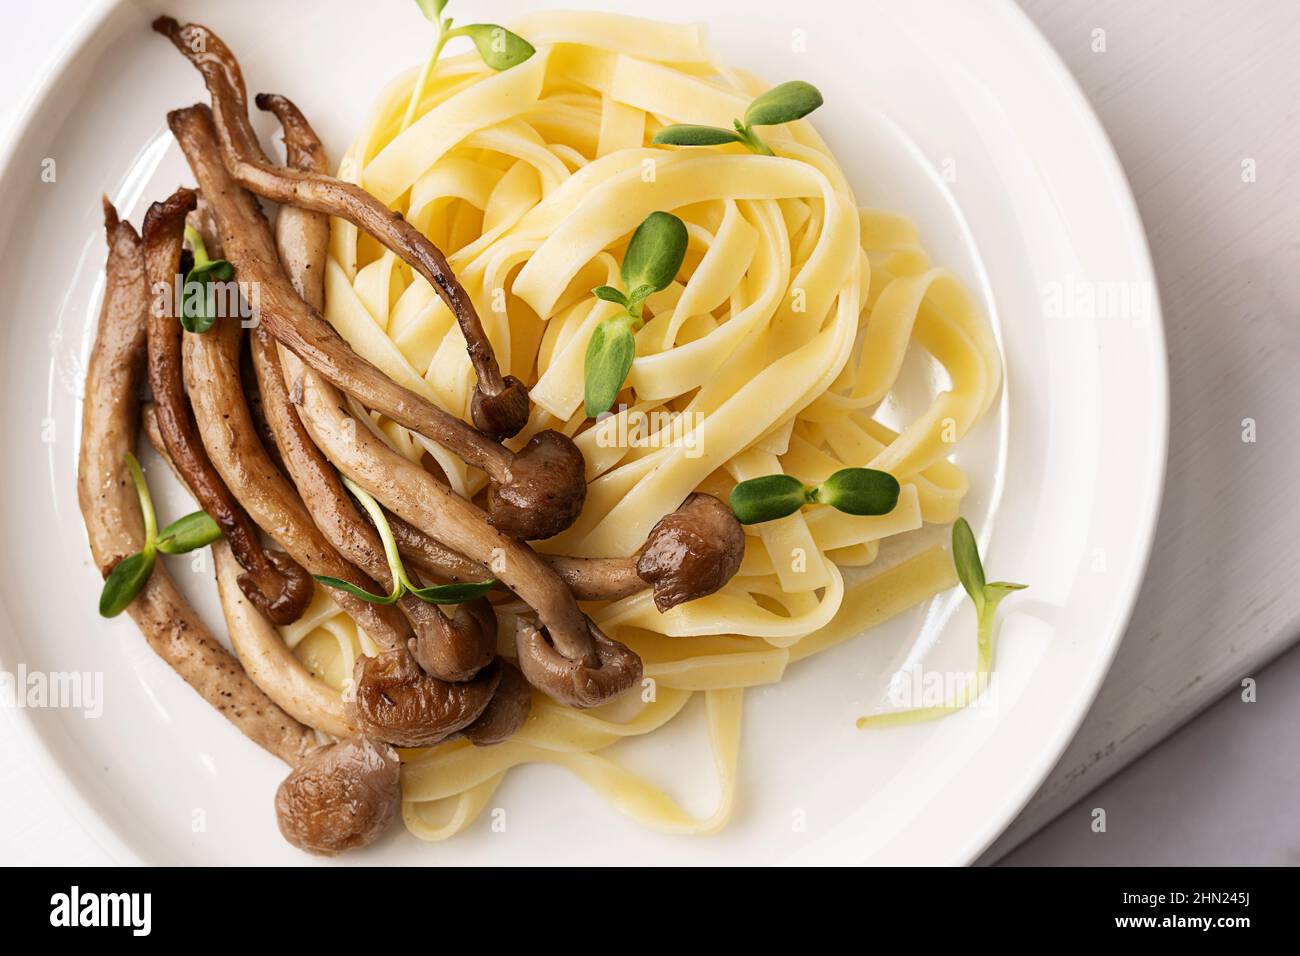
x=782, y=104
x=128, y=577
x=437, y=594
x=855, y=491
x=986, y=596
x=499, y=48
x=189, y=533
x=654, y=256
x=197, y=314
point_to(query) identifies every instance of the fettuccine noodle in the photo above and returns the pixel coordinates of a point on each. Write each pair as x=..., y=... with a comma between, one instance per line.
x=786, y=329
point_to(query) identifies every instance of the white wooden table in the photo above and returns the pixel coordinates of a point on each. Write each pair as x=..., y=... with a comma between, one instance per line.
x=1189, y=90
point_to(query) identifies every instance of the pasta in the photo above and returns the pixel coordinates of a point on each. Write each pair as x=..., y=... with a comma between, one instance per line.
x=786, y=329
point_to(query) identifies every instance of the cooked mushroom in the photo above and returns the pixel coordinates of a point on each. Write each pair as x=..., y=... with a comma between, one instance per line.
x=432, y=556
x=260, y=648
x=454, y=648
x=257, y=406
x=392, y=477
x=112, y=512
x=396, y=701
x=457, y=645
x=451, y=649
x=270, y=663
x=415, y=495
x=609, y=670
x=506, y=712
x=221, y=414
x=534, y=493
x=690, y=553
x=274, y=582
x=500, y=404
x=341, y=797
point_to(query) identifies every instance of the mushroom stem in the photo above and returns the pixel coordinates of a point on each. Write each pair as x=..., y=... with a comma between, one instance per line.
x=688, y=554
x=402, y=486
x=280, y=510
x=415, y=495
x=534, y=493
x=108, y=502
x=277, y=586
x=432, y=557
x=268, y=660
x=500, y=406
x=597, y=579
x=452, y=648
x=212, y=376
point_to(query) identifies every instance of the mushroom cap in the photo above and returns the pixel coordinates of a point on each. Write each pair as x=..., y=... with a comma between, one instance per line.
x=611, y=669
x=507, y=711
x=544, y=492
x=504, y=414
x=462, y=647
x=396, y=701
x=281, y=598
x=691, y=552
x=340, y=797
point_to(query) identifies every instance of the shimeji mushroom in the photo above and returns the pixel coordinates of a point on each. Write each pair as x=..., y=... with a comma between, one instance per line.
x=341, y=797
x=454, y=647
x=572, y=675
x=396, y=701
x=418, y=497
x=500, y=403
x=337, y=797
x=275, y=583
x=505, y=713
x=688, y=554
x=534, y=493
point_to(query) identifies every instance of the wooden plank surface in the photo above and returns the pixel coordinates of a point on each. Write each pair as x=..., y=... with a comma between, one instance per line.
x=1199, y=98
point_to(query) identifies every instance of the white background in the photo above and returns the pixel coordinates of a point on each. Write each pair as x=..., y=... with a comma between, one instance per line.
x=1188, y=90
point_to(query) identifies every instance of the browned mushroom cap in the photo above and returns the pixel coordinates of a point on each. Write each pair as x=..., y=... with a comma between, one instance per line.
x=544, y=490
x=507, y=711
x=398, y=702
x=456, y=648
x=692, y=552
x=341, y=797
x=604, y=674
x=500, y=405
x=503, y=413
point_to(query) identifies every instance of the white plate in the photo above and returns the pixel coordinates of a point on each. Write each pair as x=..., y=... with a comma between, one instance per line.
x=957, y=114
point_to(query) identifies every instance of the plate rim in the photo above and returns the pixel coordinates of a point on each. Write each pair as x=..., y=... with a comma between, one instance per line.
x=1119, y=183
x=33, y=740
